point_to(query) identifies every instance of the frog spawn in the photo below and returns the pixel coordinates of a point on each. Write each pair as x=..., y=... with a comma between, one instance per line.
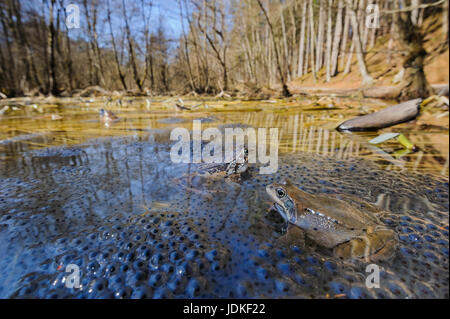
x=252, y=262
x=154, y=256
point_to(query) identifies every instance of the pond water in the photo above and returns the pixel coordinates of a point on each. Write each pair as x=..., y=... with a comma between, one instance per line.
x=108, y=199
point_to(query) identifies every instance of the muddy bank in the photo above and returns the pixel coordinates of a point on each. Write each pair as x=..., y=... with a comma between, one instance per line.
x=380, y=92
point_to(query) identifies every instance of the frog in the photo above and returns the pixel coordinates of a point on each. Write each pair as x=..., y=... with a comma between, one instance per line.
x=107, y=117
x=353, y=232
x=209, y=173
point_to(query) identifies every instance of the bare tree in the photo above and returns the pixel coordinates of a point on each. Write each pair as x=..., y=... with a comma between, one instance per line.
x=11, y=75
x=336, y=39
x=312, y=37
x=68, y=61
x=20, y=34
x=285, y=45
x=51, y=38
x=345, y=33
x=186, y=49
x=320, y=36
x=415, y=11
x=445, y=20
x=95, y=60
x=114, y=47
x=131, y=50
x=148, y=55
x=301, y=48
x=285, y=90
x=218, y=42
x=367, y=79
x=328, y=48
x=414, y=82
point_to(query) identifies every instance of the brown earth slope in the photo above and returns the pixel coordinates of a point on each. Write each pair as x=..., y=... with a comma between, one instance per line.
x=377, y=58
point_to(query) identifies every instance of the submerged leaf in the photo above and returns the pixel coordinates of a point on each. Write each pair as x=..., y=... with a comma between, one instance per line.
x=383, y=138
x=402, y=139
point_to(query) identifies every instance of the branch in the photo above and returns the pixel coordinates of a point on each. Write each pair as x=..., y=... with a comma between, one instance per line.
x=411, y=8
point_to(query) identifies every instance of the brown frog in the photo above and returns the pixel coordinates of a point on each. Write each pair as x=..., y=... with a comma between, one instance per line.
x=353, y=233
x=209, y=173
x=107, y=117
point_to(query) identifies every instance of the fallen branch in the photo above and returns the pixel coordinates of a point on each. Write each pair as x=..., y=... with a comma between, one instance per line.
x=387, y=117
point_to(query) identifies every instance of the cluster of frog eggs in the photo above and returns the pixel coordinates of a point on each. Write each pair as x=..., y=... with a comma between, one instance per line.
x=159, y=255
x=225, y=245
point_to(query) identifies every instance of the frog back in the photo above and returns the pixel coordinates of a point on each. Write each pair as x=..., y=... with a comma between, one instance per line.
x=329, y=220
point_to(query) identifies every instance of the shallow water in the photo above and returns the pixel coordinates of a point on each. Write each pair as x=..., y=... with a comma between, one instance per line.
x=109, y=199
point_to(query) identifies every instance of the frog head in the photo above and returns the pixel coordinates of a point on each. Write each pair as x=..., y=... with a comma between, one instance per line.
x=239, y=164
x=284, y=200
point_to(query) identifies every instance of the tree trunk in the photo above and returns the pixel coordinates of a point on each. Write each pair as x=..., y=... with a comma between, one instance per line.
x=415, y=11
x=31, y=72
x=414, y=82
x=293, y=53
x=285, y=46
x=346, y=30
x=337, y=38
x=285, y=90
x=99, y=60
x=301, y=48
x=348, y=65
x=68, y=62
x=93, y=52
x=320, y=36
x=367, y=79
x=116, y=56
x=373, y=32
x=134, y=67
x=248, y=51
x=11, y=61
x=53, y=84
x=186, y=50
x=328, y=48
x=213, y=42
x=391, y=41
x=445, y=20
x=312, y=37
x=364, y=28
x=308, y=46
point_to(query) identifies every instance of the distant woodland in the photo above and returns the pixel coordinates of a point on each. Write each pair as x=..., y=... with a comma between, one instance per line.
x=124, y=45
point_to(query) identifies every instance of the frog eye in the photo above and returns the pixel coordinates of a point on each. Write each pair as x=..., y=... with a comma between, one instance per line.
x=281, y=193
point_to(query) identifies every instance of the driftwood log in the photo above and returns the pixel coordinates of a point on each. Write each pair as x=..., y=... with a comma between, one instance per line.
x=387, y=117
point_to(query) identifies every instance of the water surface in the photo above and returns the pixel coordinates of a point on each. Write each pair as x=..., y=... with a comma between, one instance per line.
x=108, y=198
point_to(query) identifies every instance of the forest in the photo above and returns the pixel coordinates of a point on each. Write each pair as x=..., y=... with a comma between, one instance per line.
x=59, y=47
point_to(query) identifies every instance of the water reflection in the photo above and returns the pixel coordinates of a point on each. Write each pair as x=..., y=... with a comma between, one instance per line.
x=300, y=130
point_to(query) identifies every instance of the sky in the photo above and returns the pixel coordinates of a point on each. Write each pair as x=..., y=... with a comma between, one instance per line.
x=168, y=9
